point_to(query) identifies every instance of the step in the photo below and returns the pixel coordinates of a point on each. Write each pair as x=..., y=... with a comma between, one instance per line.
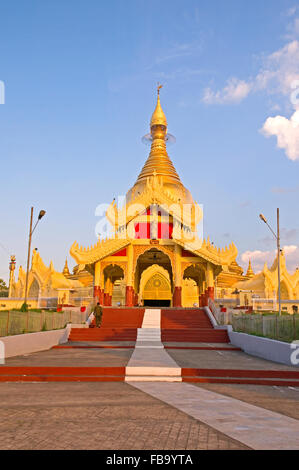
x=62, y=374
x=285, y=378
x=153, y=374
x=242, y=376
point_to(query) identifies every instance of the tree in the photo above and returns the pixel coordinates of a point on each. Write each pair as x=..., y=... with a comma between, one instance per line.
x=3, y=289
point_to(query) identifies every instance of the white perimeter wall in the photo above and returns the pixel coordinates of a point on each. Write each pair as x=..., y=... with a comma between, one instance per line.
x=270, y=349
x=18, y=345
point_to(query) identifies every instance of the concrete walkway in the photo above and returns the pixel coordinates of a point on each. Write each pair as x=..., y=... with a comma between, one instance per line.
x=149, y=360
x=253, y=426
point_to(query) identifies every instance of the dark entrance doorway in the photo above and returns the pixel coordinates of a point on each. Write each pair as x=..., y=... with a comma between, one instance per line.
x=157, y=303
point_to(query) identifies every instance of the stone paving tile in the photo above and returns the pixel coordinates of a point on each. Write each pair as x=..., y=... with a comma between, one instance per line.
x=73, y=358
x=283, y=400
x=223, y=360
x=99, y=343
x=196, y=345
x=112, y=416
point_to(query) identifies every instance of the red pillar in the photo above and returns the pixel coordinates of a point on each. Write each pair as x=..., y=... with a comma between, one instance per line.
x=106, y=299
x=136, y=300
x=129, y=296
x=211, y=292
x=101, y=296
x=177, y=297
x=204, y=299
x=97, y=293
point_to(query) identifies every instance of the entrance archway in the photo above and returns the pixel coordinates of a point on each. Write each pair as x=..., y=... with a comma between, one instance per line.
x=114, y=286
x=33, y=292
x=155, y=287
x=154, y=279
x=284, y=291
x=194, y=283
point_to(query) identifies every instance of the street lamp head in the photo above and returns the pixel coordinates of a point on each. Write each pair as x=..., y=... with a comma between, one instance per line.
x=41, y=214
x=263, y=218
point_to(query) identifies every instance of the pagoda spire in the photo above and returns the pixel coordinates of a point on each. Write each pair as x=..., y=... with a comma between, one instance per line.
x=250, y=272
x=158, y=117
x=158, y=160
x=66, y=271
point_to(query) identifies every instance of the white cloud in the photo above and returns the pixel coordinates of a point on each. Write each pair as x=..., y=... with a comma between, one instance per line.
x=289, y=249
x=234, y=92
x=293, y=27
x=280, y=70
x=283, y=190
x=259, y=258
x=287, y=133
x=291, y=11
x=279, y=75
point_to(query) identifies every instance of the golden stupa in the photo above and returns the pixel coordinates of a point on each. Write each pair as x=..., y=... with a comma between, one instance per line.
x=154, y=255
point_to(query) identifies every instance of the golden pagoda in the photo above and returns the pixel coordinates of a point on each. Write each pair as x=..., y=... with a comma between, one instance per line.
x=155, y=255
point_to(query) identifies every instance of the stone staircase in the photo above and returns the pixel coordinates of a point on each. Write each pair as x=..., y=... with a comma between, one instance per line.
x=117, y=325
x=150, y=333
x=190, y=326
x=177, y=325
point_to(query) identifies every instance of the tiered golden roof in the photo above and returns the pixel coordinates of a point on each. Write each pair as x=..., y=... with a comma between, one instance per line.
x=158, y=161
x=158, y=183
x=250, y=272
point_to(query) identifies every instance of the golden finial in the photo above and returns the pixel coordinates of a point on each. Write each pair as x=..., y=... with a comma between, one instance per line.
x=12, y=264
x=250, y=272
x=158, y=117
x=158, y=162
x=66, y=271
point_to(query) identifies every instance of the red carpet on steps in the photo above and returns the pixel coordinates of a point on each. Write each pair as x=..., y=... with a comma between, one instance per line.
x=117, y=374
x=62, y=374
x=189, y=325
x=103, y=334
x=118, y=324
x=177, y=325
x=122, y=317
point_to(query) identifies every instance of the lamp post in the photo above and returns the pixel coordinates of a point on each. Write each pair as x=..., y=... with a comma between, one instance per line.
x=40, y=216
x=277, y=236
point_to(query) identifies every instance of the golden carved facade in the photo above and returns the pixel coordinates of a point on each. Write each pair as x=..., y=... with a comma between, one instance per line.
x=265, y=283
x=157, y=227
x=155, y=233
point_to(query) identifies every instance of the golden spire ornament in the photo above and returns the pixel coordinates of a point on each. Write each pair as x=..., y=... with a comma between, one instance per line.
x=158, y=159
x=158, y=117
x=250, y=272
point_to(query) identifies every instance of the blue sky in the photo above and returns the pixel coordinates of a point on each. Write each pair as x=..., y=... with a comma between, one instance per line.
x=80, y=79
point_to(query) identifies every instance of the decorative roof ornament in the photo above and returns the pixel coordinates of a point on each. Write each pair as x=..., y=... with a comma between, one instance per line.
x=158, y=117
x=250, y=272
x=158, y=159
x=66, y=271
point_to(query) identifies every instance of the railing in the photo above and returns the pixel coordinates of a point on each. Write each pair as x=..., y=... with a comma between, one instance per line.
x=15, y=323
x=283, y=328
x=215, y=310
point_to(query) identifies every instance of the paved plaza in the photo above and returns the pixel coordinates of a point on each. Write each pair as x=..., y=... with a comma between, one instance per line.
x=107, y=415
x=152, y=407
x=98, y=416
